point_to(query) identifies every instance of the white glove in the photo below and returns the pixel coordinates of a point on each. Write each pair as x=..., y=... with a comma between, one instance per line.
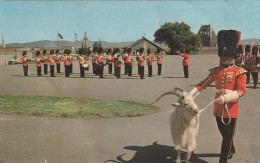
x=194, y=92
x=230, y=97
x=220, y=99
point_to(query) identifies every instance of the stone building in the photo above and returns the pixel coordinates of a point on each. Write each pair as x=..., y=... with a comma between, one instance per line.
x=12, y=55
x=146, y=44
x=85, y=42
x=207, y=35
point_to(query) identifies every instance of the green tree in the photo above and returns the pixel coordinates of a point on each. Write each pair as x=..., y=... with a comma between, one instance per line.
x=177, y=36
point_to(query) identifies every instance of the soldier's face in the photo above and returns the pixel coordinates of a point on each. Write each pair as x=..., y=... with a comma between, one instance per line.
x=226, y=60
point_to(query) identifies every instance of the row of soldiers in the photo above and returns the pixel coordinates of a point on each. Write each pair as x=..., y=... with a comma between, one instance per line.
x=99, y=61
x=248, y=57
x=51, y=60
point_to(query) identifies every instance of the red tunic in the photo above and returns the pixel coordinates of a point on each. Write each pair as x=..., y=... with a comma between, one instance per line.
x=38, y=62
x=253, y=64
x=100, y=60
x=226, y=79
x=141, y=61
x=186, y=58
x=159, y=59
x=25, y=62
x=149, y=60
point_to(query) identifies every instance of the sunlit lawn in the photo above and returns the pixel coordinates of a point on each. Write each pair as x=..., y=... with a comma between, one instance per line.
x=72, y=107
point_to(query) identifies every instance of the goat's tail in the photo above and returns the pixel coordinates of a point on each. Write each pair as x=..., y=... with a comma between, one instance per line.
x=176, y=91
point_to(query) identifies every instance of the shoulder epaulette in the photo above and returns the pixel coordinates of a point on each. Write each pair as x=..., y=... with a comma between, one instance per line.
x=241, y=71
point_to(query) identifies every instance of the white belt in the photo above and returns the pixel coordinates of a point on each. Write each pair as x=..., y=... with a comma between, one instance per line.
x=225, y=91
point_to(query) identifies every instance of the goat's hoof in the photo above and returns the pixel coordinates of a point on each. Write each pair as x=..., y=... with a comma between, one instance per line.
x=177, y=161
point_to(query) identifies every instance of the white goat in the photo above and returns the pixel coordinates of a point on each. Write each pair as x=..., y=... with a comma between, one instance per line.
x=184, y=122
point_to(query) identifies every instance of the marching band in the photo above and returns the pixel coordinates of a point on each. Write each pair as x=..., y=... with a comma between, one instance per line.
x=247, y=57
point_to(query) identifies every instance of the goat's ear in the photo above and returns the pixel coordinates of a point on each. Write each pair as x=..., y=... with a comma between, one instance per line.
x=176, y=104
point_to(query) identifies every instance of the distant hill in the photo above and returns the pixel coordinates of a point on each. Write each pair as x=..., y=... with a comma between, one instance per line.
x=48, y=43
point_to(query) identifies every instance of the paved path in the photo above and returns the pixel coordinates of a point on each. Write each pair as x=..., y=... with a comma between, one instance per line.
x=30, y=139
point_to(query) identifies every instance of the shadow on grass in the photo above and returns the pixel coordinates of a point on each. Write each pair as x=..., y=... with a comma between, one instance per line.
x=157, y=153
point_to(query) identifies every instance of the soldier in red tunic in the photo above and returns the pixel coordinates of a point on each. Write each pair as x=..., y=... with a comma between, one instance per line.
x=247, y=64
x=149, y=63
x=253, y=61
x=230, y=83
x=185, y=62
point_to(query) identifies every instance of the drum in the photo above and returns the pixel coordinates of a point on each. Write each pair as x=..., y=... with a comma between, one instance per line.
x=86, y=67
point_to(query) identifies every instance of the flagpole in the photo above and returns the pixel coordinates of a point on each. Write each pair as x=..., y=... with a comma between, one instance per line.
x=58, y=40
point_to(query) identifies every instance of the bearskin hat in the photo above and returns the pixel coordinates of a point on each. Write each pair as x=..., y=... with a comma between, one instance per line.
x=248, y=48
x=52, y=51
x=115, y=51
x=158, y=50
x=125, y=50
x=187, y=49
x=240, y=49
x=38, y=53
x=227, y=43
x=255, y=50
x=24, y=53
x=129, y=50
x=141, y=50
x=100, y=50
x=44, y=51
x=57, y=51
x=148, y=51
x=109, y=50
x=94, y=50
x=81, y=51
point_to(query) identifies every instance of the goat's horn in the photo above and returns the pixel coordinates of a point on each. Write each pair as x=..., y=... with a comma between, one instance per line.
x=176, y=91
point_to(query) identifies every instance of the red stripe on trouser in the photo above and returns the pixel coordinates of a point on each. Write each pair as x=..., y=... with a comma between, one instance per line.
x=231, y=143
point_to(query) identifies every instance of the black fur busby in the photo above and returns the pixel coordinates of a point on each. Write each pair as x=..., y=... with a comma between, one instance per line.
x=125, y=50
x=240, y=49
x=94, y=50
x=158, y=50
x=227, y=43
x=109, y=51
x=248, y=48
x=57, y=51
x=129, y=50
x=141, y=50
x=81, y=51
x=38, y=53
x=52, y=51
x=44, y=51
x=187, y=49
x=148, y=51
x=255, y=50
x=24, y=53
x=116, y=50
x=100, y=50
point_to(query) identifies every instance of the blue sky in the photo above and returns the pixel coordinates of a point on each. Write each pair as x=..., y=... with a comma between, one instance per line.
x=117, y=21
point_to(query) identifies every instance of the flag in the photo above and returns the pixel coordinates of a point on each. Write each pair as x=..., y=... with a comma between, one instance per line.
x=60, y=36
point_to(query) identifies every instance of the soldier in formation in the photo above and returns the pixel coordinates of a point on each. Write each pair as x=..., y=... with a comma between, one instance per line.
x=159, y=61
x=57, y=60
x=38, y=63
x=149, y=63
x=52, y=65
x=45, y=63
x=25, y=63
x=129, y=62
